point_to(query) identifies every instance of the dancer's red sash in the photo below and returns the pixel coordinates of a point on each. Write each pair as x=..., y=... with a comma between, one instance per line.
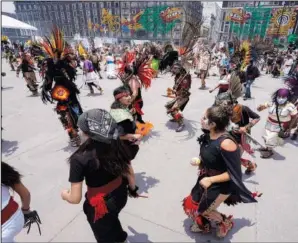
x=9, y=210
x=96, y=195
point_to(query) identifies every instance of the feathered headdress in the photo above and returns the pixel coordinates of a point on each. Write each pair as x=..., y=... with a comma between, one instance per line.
x=139, y=66
x=55, y=43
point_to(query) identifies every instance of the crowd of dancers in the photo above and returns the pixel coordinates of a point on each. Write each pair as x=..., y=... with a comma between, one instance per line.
x=111, y=140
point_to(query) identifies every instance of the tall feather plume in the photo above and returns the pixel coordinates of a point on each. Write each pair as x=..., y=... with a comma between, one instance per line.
x=56, y=41
x=145, y=72
x=235, y=85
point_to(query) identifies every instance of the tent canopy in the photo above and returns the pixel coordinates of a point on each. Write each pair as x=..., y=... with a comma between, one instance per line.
x=9, y=22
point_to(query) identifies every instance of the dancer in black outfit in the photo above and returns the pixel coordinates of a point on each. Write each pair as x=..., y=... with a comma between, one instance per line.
x=103, y=162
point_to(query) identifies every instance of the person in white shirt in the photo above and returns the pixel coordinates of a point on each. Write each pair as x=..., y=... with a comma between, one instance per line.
x=13, y=218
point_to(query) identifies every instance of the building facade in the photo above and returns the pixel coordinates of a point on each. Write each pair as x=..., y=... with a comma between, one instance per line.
x=263, y=20
x=114, y=19
x=16, y=34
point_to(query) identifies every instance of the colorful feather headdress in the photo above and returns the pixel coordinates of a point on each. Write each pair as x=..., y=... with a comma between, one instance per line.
x=54, y=43
x=141, y=67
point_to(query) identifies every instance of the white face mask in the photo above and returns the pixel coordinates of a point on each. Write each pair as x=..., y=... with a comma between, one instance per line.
x=281, y=100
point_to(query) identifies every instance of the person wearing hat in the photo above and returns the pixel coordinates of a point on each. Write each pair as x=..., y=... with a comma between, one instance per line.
x=103, y=161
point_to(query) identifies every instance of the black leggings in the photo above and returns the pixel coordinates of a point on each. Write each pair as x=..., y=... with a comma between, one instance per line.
x=109, y=229
x=91, y=84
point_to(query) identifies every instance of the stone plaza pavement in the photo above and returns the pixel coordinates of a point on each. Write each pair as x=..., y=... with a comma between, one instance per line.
x=35, y=143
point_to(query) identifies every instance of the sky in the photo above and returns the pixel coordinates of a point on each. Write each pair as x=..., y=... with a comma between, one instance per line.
x=8, y=7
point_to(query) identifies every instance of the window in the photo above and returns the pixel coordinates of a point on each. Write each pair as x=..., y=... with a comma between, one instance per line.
x=77, y=27
x=74, y=6
x=68, y=17
x=133, y=11
x=116, y=5
x=67, y=7
x=44, y=8
x=55, y=7
x=108, y=4
x=87, y=5
x=80, y=5
x=94, y=5
x=35, y=6
x=61, y=7
x=62, y=16
x=94, y=13
x=134, y=4
x=29, y=7
x=95, y=20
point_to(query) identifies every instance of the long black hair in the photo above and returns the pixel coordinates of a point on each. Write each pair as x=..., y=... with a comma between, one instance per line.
x=9, y=175
x=113, y=158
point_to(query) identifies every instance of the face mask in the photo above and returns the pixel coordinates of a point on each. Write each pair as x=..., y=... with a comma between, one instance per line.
x=281, y=100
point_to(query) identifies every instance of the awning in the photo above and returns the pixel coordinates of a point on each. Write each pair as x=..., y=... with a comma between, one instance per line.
x=11, y=23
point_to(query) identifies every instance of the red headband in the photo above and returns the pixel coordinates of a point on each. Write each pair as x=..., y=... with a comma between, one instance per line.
x=120, y=95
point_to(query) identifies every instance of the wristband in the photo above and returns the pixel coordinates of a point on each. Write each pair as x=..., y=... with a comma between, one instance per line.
x=27, y=209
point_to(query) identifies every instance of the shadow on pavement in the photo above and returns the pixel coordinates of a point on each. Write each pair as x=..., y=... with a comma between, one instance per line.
x=239, y=223
x=6, y=88
x=93, y=95
x=34, y=95
x=137, y=237
x=152, y=134
x=293, y=142
x=8, y=147
x=278, y=156
x=190, y=127
x=145, y=182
